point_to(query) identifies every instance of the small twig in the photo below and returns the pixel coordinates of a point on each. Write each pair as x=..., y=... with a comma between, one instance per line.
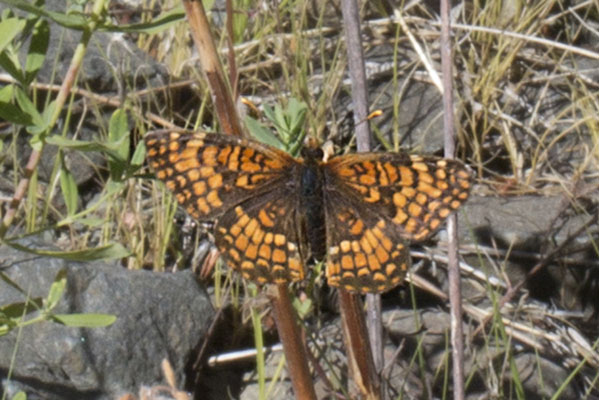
x=455, y=291
x=368, y=363
x=295, y=351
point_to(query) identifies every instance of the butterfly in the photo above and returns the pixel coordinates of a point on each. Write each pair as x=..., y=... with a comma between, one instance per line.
x=273, y=212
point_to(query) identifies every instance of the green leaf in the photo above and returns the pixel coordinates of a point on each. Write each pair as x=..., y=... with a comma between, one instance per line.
x=20, y=396
x=37, y=50
x=28, y=107
x=57, y=289
x=72, y=20
x=9, y=61
x=9, y=29
x=68, y=186
x=118, y=132
x=156, y=25
x=118, y=135
x=8, y=111
x=17, y=310
x=263, y=134
x=139, y=155
x=85, y=320
x=107, y=252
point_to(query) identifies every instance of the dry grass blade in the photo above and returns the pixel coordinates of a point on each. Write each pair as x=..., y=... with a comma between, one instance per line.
x=366, y=360
x=221, y=93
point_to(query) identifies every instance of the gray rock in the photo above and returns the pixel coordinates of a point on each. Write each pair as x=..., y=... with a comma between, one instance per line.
x=159, y=316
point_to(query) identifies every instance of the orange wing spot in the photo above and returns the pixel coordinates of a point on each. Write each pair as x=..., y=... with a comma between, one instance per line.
x=433, y=205
x=193, y=175
x=367, y=179
x=251, y=227
x=407, y=176
x=371, y=239
x=173, y=146
x=444, y=212
x=425, y=177
x=242, y=181
x=202, y=205
x=258, y=236
x=421, y=198
x=441, y=174
x=409, y=192
x=391, y=172
x=365, y=245
x=265, y=220
x=360, y=260
x=297, y=271
x=184, y=165
x=250, y=166
x=251, y=252
x=189, y=152
x=162, y=175
x=234, y=254
x=264, y=252
x=400, y=217
x=373, y=263
x=206, y=172
x=279, y=256
x=235, y=230
x=345, y=246
x=333, y=250
x=268, y=238
x=234, y=159
x=383, y=178
x=347, y=262
x=273, y=164
x=182, y=197
x=373, y=195
x=414, y=209
x=381, y=278
x=213, y=199
x=171, y=185
x=430, y=190
x=209, y=155
x=434, y=223
x=382, y=255
x=181, y=181
x=390, y=269
x=243, y=217
x=355, y=246
x=346, y=172
x=247, y=266
x=363, y=272
x=387, y=244
x=357, y=227
x=215, y=181
x=247, y=153
x=280, y=239
x=418, y=165
x=223, y=155
x=241, y=242
x=455, y=204
x=399, y=199
x=411, y=225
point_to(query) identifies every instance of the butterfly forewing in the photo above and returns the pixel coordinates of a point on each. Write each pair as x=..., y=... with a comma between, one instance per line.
x=414, y=193
x=210, y=173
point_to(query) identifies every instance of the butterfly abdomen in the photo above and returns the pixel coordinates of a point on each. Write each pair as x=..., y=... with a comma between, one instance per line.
x=311, y=193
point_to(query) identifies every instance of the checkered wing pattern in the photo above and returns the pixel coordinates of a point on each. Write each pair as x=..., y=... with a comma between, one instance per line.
x=374, y=202
x=242, y=184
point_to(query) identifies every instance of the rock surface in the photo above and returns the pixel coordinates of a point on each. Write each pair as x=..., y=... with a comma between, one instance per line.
x=159, y=315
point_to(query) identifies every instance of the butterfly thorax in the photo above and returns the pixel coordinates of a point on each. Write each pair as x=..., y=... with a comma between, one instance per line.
x=311, y=203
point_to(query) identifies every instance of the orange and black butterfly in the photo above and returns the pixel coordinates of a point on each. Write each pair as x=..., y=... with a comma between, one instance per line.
x=273, y=211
